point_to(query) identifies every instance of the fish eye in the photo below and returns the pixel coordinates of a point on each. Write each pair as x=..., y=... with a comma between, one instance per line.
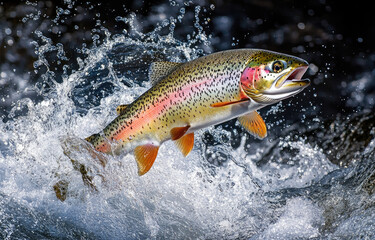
x=277, y=66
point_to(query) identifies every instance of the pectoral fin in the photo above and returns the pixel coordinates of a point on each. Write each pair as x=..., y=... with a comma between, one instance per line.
x=121, y=109
x=254, y=124
x=145, y=156
x=178, y=132
x=185, y=143
x=222, y=104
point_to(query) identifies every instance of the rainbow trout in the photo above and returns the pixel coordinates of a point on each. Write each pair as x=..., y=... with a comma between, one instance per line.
x=189, y=96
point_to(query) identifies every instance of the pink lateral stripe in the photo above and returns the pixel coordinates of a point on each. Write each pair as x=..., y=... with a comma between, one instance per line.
x=148, y=115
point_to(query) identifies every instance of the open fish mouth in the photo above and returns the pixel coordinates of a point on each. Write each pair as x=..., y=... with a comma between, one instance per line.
x=288, y=84
x=294, y=75
x=285, y=86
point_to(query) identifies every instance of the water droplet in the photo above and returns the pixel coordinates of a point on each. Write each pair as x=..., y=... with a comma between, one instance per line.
x=301, y=26
x=10, y=42
x=8, y=31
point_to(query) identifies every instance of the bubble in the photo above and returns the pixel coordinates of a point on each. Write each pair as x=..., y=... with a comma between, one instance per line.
x=8, y=31
x=10, y=42
x=3, y=75
x=259, y=21
x=301, y=26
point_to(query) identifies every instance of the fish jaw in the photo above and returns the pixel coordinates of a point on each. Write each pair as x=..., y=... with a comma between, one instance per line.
x=289, y=85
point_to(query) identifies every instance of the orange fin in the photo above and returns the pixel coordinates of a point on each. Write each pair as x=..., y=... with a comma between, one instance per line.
x=178, y=132
x=222, y=104
x=145, y=156
x=121, y=109
x=254, y=124
x=185, y=143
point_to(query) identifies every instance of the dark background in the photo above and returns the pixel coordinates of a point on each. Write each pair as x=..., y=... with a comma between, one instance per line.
x=337, y=37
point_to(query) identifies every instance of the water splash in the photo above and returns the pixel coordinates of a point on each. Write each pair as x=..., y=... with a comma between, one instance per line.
x=231, y=186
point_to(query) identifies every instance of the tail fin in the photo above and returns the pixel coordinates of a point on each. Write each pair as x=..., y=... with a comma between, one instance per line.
x=92, y=138
x=78, y=150
x=99, y=142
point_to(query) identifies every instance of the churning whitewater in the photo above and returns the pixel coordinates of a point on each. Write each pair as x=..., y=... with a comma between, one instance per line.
x=53, y=184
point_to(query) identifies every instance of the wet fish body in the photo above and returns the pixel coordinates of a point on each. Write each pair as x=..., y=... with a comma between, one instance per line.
x=186, y=97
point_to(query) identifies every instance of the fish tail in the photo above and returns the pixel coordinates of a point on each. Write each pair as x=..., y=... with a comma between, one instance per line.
x=99, y=143
x=92, y=138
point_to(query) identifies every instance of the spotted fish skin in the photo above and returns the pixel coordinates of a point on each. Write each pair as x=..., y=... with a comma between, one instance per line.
x=196, y=94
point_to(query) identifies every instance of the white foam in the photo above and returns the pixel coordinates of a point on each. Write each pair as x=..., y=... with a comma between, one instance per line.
x=300, y=219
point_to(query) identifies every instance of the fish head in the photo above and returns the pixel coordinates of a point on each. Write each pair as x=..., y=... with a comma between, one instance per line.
x=270, y=77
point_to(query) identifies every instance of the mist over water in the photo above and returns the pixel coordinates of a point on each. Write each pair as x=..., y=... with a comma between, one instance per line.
x=65, y=68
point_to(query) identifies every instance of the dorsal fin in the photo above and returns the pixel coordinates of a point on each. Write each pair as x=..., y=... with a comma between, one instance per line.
x=159, y=70
x=121, y=109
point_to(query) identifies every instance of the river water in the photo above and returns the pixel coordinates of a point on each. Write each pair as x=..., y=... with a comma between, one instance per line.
x=65, y=67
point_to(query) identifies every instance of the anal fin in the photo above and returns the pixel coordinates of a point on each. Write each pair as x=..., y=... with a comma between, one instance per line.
x=145, y=156
x=254, y=124
x=178, y=132
x=185, y=143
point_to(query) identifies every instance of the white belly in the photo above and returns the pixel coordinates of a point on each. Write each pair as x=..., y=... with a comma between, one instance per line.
x=223, y=115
